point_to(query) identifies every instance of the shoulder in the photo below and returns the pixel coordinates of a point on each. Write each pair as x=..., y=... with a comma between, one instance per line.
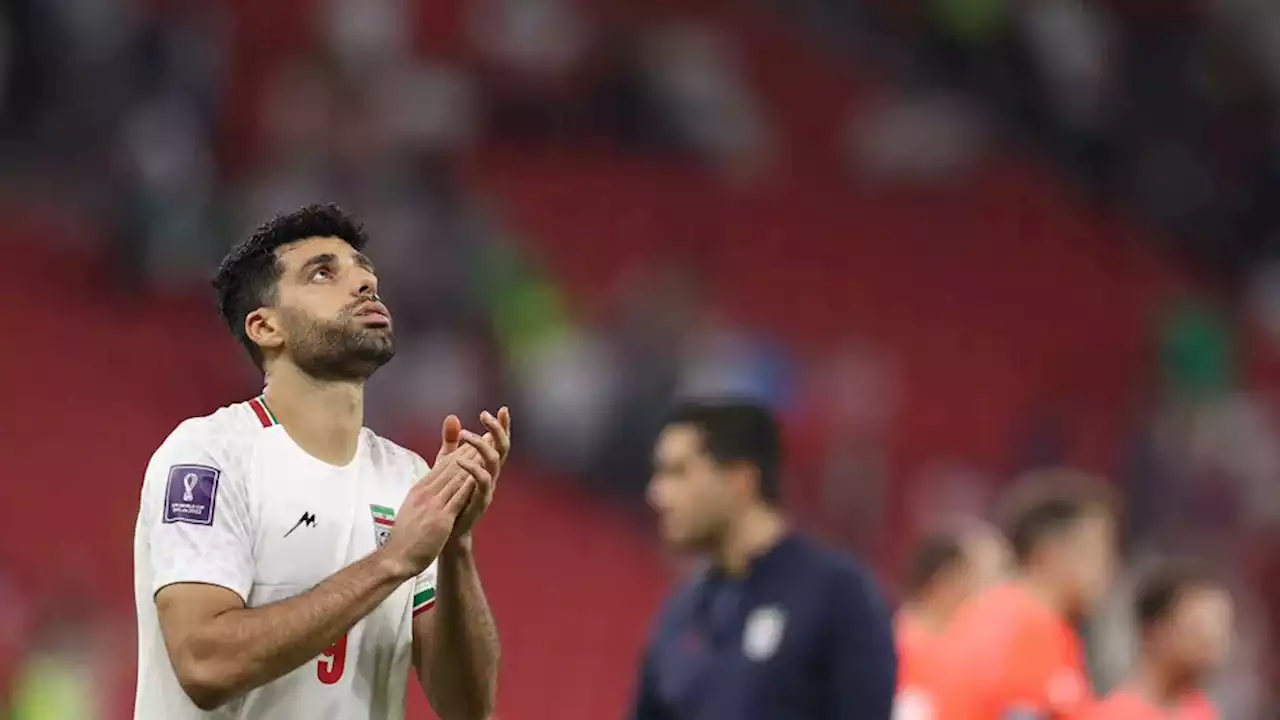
x=678, y=606
x=217, y=438
x=845, y=577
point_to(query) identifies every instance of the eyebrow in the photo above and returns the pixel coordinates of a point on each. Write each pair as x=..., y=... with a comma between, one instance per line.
x=329, y=258
x=363, y=261
x=318, y=260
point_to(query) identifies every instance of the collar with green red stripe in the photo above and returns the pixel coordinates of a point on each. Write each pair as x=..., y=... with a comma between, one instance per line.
x=263, y=411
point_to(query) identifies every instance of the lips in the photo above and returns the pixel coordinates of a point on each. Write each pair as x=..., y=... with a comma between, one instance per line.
x=374, y=311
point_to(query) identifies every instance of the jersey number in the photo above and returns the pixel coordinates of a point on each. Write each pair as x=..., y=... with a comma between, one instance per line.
x=332, y=662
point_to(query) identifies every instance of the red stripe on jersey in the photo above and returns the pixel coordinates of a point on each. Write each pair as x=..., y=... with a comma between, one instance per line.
x=384, y=522
x=424, y=608
x=261, y=412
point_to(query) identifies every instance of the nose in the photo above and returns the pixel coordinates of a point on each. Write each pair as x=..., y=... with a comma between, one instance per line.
x=651, y=494
x=367, y=285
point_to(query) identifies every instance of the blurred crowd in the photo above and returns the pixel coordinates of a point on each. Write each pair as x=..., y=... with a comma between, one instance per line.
x=134, y=114
x=1163, y=107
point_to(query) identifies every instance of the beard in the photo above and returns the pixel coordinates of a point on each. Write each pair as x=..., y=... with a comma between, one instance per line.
x=341, y=349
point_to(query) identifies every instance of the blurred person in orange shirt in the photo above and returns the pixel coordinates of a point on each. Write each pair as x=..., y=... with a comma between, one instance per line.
x=948, y=568
x=1012, y=652
x=1185, y=618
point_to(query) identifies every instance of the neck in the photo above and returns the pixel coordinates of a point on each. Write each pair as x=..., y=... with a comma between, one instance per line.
x=754, y=534
x=1158, y=685
x=324, y=418
x=1042, y=586
x=930, y=614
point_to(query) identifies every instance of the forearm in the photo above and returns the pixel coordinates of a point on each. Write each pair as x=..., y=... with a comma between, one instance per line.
x=461, y=661
x=248, y=647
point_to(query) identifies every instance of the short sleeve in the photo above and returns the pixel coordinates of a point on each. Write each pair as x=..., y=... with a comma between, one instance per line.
x=424, y=590
x=424, y=586
x=196, y=512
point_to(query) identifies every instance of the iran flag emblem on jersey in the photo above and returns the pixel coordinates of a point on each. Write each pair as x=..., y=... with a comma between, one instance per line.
x=384, y=519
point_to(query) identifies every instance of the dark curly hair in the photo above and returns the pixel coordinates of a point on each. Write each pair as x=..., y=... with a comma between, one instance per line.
x=247, y=277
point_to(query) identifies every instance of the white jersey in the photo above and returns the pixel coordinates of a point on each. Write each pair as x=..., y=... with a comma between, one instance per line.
x=230, y=500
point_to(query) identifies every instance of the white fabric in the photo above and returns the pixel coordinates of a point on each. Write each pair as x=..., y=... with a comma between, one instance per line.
x=247, y=542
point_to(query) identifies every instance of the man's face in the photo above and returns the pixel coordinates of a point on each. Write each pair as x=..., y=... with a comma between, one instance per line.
x=1196, y=635
x=327, y=317
x=1087, y=558
x=688, y=490
x=988, y=560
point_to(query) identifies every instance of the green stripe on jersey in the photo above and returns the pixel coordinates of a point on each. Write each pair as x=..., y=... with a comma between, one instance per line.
x=382, y=511
x=424, y=597
x=263, y=399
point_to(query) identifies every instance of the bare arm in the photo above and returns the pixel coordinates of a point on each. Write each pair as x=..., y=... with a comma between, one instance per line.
x=221, y=649
x=455, y=645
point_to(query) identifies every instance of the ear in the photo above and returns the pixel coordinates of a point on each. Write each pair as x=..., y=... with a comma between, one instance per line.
x=262, y=326
x=745, y=479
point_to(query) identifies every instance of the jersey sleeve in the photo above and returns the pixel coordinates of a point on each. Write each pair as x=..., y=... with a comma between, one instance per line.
x=195, y=506
x=424, y=586
x=424, y=590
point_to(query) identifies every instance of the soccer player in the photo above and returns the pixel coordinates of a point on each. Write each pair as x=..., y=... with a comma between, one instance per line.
x=288, y=562
x=948, y=568
x=776, y=627
x=1012, y=652
x=1185, y=619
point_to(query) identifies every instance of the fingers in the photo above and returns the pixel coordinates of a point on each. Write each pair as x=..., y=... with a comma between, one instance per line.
x=483, y=478
x=458, y=502
x=488, y=453
x=449, y=432
x=499, y=430
x=450, y=477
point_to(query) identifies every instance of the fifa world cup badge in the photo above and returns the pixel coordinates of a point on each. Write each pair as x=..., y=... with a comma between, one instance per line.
x=384, y=519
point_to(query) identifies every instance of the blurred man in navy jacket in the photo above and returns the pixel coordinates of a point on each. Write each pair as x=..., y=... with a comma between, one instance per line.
x=777, y=627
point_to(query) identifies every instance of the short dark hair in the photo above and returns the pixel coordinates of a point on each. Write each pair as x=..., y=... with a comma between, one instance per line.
x=738, y=431
x=1046, y=503
x=1162, y=588
x=935, y=554
x=246, y=278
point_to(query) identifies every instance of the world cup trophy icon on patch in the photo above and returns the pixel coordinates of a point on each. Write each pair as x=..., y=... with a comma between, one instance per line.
x=188, y=487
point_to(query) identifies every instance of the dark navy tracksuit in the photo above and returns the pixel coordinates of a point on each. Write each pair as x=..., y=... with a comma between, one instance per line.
x=805, y=635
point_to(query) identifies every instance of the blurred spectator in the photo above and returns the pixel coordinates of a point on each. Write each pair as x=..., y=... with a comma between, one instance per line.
x=171, y=173
x=723, y=361
x=569, y=384
x=368, y=36
x=698, y=78
x=856, y=394
x=534, y=54
x=917, y=137
x=61, y=676
x=1197, y=352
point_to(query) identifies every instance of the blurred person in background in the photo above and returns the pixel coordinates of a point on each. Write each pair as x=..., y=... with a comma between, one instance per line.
x=948, y=569
x=776, y=626
x=262, y=589
x=1185, y=619
x=1013, y=651
x=61, y=677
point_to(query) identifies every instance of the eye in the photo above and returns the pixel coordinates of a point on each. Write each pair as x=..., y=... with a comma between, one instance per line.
x=322, y=274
